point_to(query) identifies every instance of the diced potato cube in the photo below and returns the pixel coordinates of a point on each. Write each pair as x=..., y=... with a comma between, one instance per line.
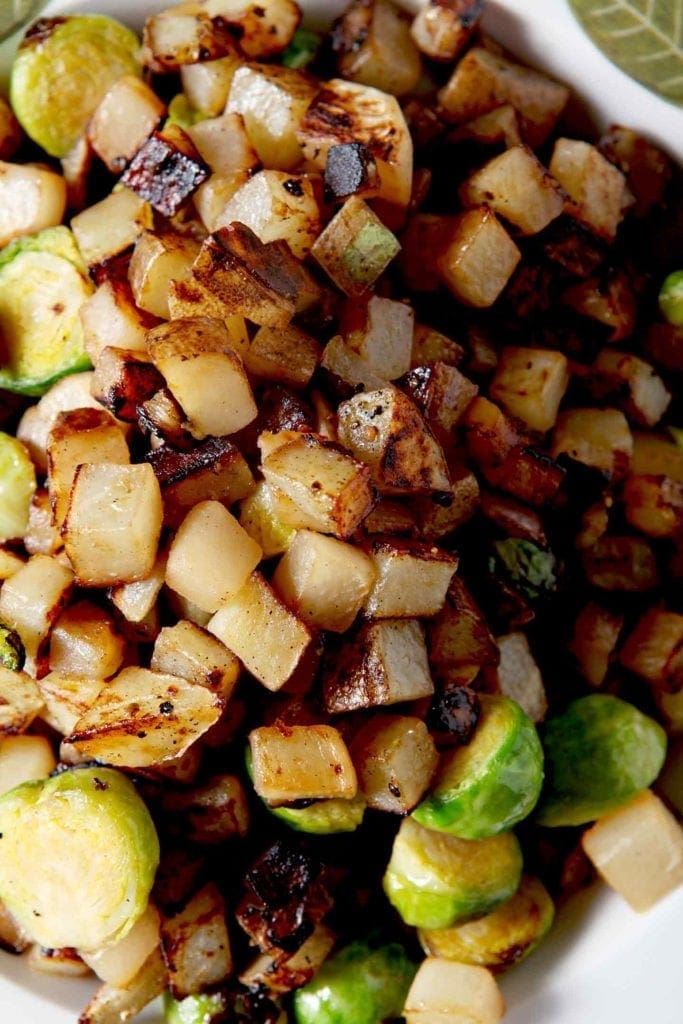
x=113, y=524
x=259, y=517
x=159, y=258
x=264, y=634
x=189, y=298
x=516, y=186
x=31, y=198
x=638, y=849
x=11, y=562
x=24, y=759
x=621, y=563
x=110, y=317
x=374, y=46
x=596, y=633
x=383, y=663
x=282, y=972
x=444, y=990
x=211, y=813
x=519, y=677
x=395, y=759
x=430, y=346
x=276, y=205
x=657, y=637
x=109, y=227
x=114, y=1003
x=118, y=964
x=657, y=455
x=183, y=35
x=609, y=299
x=196, y=944
x=323, y=580
x=84, y=642
x=301, y=762
x=123, y=380
x=125, y=117
x=187, y=650
x=647, y=168
x=385, y=340
x=286, y=354
x=597, y=437
x=32, y=599
x=211, y=556
x=355, y=248
x=497, y=126
x=204, y=374
x=653, y=504
x=479, y=259
x=265, y=29
x=530, y=383
x=20, y=702
x=438, y=519
x=207, y=87
x=626, y=379
x=460, y=634
x=342, y=361
x=384, y=429
x=597, y=188
x=66, y=699
x=272, y=100
x=166, y=170
x=411, y=579
x=136, y=601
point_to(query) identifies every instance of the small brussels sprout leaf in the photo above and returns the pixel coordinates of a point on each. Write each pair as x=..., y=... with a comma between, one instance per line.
x=17, y=486
x=62, y=71
x=671, y=298
x=501, y=938
x=12, y=653
x=199, y=1009
x=492, y=783
x=43, y=283
x=182, y=113
x=360, y=983
x=435, y=880
x=530, y=568
x=599, y=753
x=78, y=855
x=302, y=50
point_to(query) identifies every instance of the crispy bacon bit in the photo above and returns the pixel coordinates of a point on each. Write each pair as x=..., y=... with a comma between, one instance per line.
x=165, y=171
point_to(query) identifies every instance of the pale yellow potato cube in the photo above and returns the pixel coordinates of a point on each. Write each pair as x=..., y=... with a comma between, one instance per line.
x=112, y=528
x=445, y=990
x=598, y=437
x=10, y=562
x=211, y=556
x=110, y=317
x=72, y=392
x=259, y=628
x=323, y=580
x=32, y=598
x=187, y=650
x=20, y=701
x=395, y=758
x=411, y=580
x=196, y=944
x=66, y=699
x=479, y=259
x=207, y=85
x=635, y=384
x=276, y=205
x=517, y=187
x=31, y=199
x=222, y=142
x=118, y=964
x=519, y=676
x=128, y=113
x=301, y=762
x=135, y=601
x=638, y=850
x=107, y=228
x=259, y=517
x=598, y=188
x=24, y=759
x=159, y=258
x=287, y=354
x=386, y=340
x=530, y=383
x=85, y=642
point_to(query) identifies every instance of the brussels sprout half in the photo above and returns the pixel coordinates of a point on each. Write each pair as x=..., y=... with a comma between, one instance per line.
x=359, y=984
x=78, y=854
x=492, y=783
x=599, y=753
x=199, y=1009
x=17, y=486
x=435, y=880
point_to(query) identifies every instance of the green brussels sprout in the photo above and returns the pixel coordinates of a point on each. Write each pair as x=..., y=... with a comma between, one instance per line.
x=78, y=854
x=671, y=298
x=435, y=880
x=62, y=71
x=492, y=783
x=43, y=283
x=17, y=486
x=599, y=753
x=530, y=568
x=12, y=653
x=501, y=938
x=302, y=50
x=359, y=984
x=198, y=1009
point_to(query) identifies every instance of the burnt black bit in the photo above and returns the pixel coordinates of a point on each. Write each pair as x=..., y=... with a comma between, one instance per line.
x=99, y=785
x=293, y=186
x=453, y=716
x=40, y=31
x=350, y=168
x=163, y=175
x=166, y=707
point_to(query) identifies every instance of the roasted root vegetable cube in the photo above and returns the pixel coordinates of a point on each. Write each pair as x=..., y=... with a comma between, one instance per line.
x=384, y=337
x=122, y=122
x=425, y=232
x=112, y=527
x=301, y=762
x=159, y=259
x=114, y=1003
x=478, y=259
x=647, y=168
x=272, y=101
x=211, y=813
x=109, y=227
x=411, y=579
x=655, y=454
x=276, y=205
x=381, y=663
x=123, y=379
x=497, y=126
x=204, y=374
x=281, y=972
x=483, y=80
x=41, y=536
x=430, y=346
x=330, y=488
x=10, y=561
x=111, y=317
x=179, y=36
x=632, y=383
x=621, y=563
x=460, y=635
x=441, y=392
x=31, y=198
x=207, y=86
x=653, y=504
x=350, y=170
x=656, y=639
x=355, y=248
x=609, y=299
x=20, y=701
x=189, y=299
x=342, y=361
x=324, y=581
x=596, y=633
x=85, y=642
x=597, y=437
x=638, y=850
x=373, y=45
x=287, y=354
x=141, y=718
x=530, y=383
x=395, y=759
x=517, y=187
x=136, y=601
x=260, y=517
x=211, y=556
x=442, y=30
x=439, y=515
x=166, y=170
x=384, y=429
x=118, y=964
x=350, y=112
x=196, y=945
x=33, y=598
x=518, y=675
x=24, y=759
x=596, y=187
x=188, y=651
x=266, y=636
x=264, y=29
x=66, y=699
x=448, y=990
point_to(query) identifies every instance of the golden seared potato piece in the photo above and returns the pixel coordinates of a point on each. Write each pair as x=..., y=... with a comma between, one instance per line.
x=411, y=579
x=20, y=701
x=395, y=759
x=516, y=186
x=631, y=383
x=530, y=383
x=460, y=635
x=159, y=259
x=209, y=582
x=442, y=30
x=597, y=188
x=183, y=35
x=187, y=650
x=32, y=599
x=479, y=258
x=196, y=944
x=287, y=354
x=323, y=580
x=136, y=601
x=301, y=762
x=66, y=699
x=107, y=228
x=373, y=46
x=651, y=647
x=598, y=437
x=127, y=114
x=123, y=380
x=206, y=85
x=204, y=374
x=596, y=632
x=272, y=101
x=441, y=393
x=31, y=199
x=654, y=453
x=445, y=989
x=276, y=205
x=111, y=317
x=497, y=126
x=282, y=973
x=85, y=642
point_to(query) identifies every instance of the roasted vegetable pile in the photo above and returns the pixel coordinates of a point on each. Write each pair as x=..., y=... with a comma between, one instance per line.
x=341, y=512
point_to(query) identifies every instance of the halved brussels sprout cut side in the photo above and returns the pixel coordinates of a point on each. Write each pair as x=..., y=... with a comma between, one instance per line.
x=199, y=1009
x=78, y=854
x=17, y=486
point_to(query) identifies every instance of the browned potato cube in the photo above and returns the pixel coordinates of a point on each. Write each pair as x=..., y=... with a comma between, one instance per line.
x=373, y=46
x=355, y=248
x=653, y=504
x=188, y=651
x=621, y=563
x=109, y=227
x=632, y=383
x=426, y=232
x=517, y=187
x=211, y=813
x=324, y=581
x=384, y=429
x=286, y=354
x=441, y=30
x=66, y=698
x=196, y=945
x=438, y=519
x=166, y=170
x=32, y=599
x=301, y=762
x=382, y=663
x=430, y=346
x=596, y=633
x=282, y=972
x=498, y=126
x=263, y=29
x=84, y=642
x=136, y=601
x=530, y=383
x=610, y=299
x=276, y=205
x=395, y=759
x=441, y=392
x=159, y=259
x=125, y=117
x=598, y=437
x=342, y=361
x=123, y=379
x=658, y=636
x=20, y=702
x=112, y=527
x=411, y=579
x=189, y=299
x=211, y=556
x=518, y=675
x=264, y=634
x=596, y=187
x=111, y=317
x=655, y=454
x=184, y=35
x=479, y=258
x=460, y=635
x=207, y=86
x=648, y=169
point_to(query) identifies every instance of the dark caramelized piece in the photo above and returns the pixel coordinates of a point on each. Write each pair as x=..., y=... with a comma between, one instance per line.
x=166, y=170
x=124, y=379
x=350, y=170
x=453, y=716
